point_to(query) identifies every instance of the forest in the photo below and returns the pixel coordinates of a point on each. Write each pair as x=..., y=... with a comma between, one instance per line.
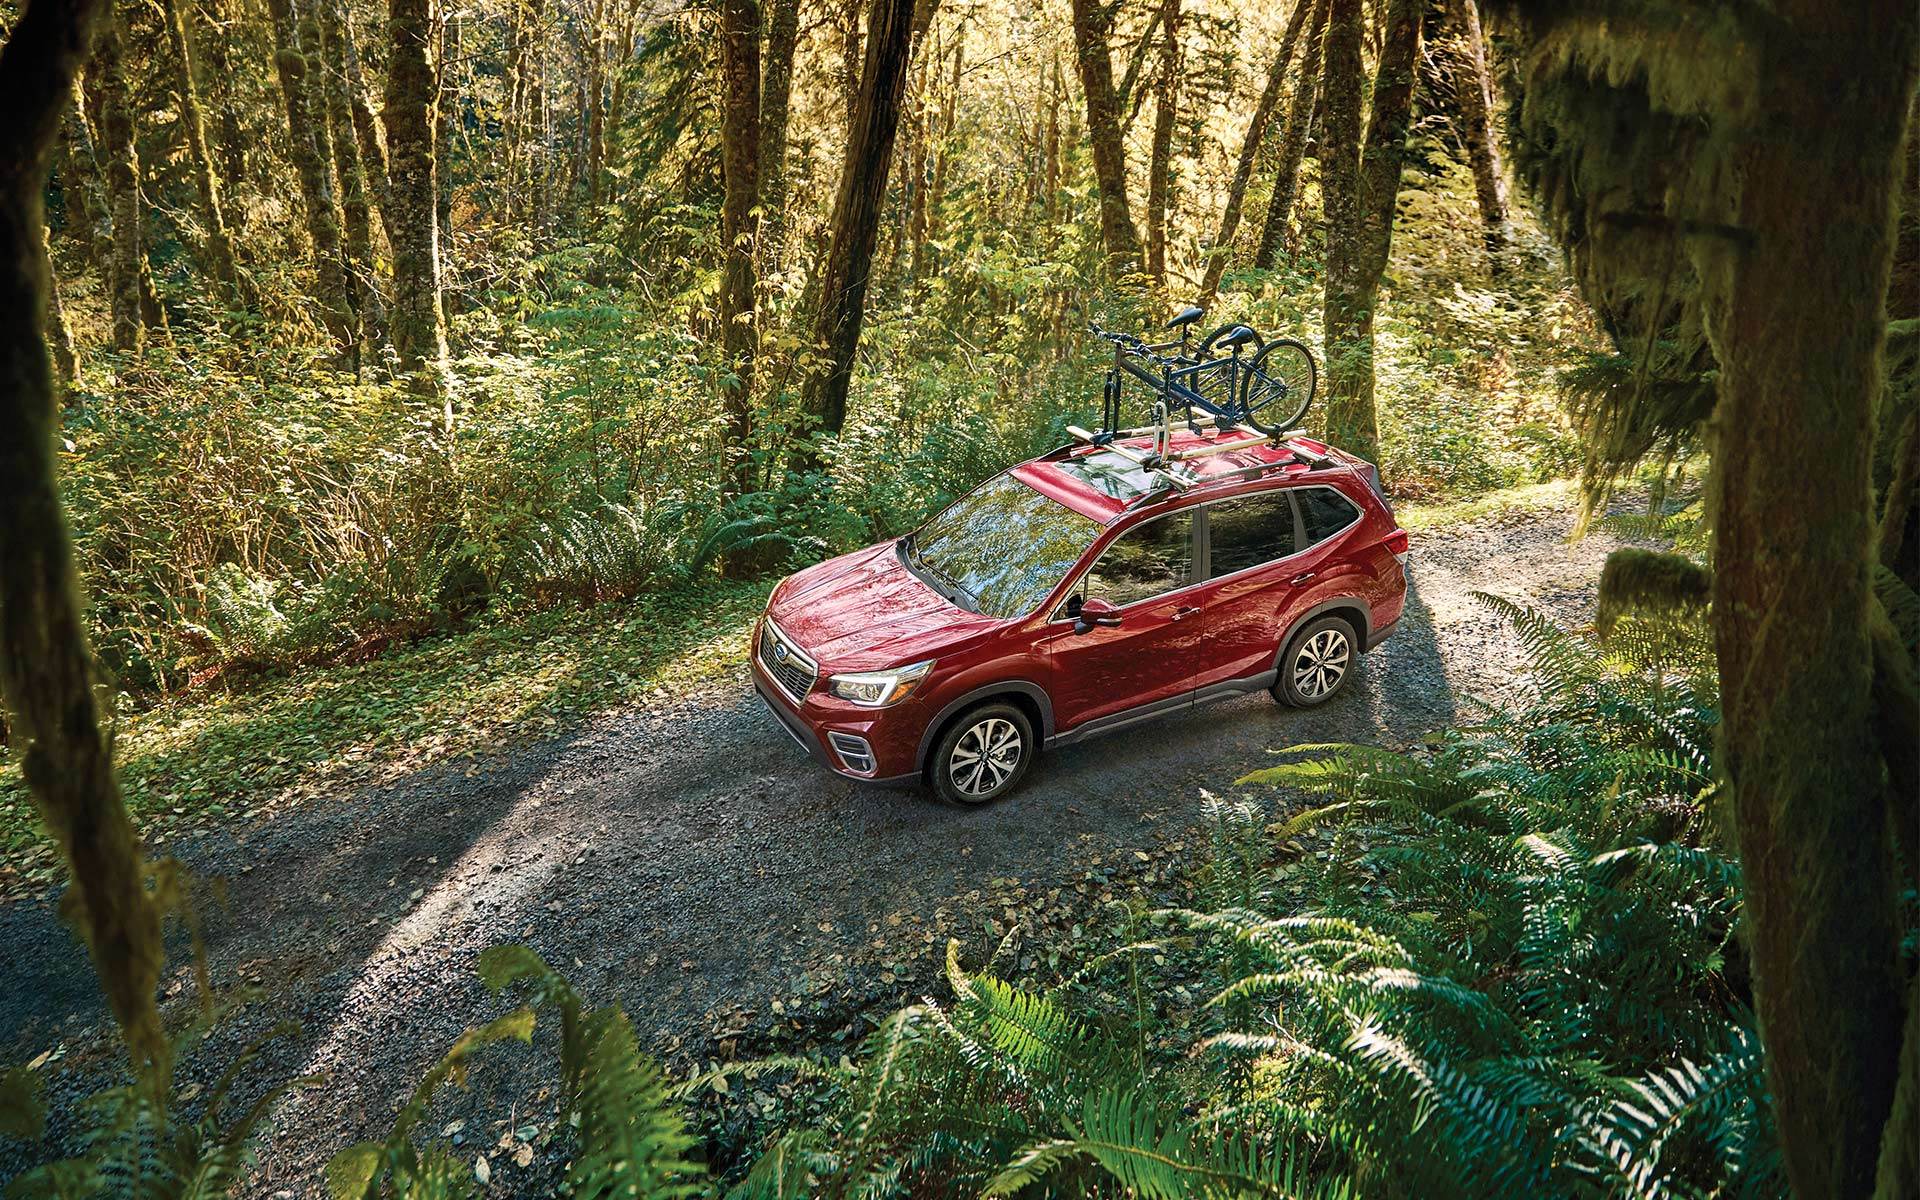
x=405, y=404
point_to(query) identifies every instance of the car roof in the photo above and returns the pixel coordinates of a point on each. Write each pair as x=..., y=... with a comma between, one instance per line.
x=1099, y=483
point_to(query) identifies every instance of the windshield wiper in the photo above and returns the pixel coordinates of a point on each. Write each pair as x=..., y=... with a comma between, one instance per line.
x=918, y=563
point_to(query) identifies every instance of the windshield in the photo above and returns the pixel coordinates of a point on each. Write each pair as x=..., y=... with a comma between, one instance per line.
x=1000, y=549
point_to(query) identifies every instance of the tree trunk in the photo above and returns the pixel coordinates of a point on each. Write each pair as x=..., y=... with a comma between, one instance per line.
x=218, y=244
x=1474, y=88
x=123, y=190
x=363, y=283
x=416, y=319
x=88, y=213
x=229, y=135
x=1360, y=206
x=943, y=155
x=596, y=114
x=740, y=162
x=46, y=667
x=366, y=126
x=59, y=333
x=850, y=62
x=1293, y=144
x=1797, y=319
x=448, y=85
x=1160, y=160
x=776, y=98
x=1092, y=26
x=856, y=212
x=1222, y=247
x=305, y=129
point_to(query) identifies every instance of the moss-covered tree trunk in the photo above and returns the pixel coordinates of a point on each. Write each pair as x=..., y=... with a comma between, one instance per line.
x=416, y=319
x=740, y=165
x=1364, y=228
x=217, y=242
x=46, y=668
x=323, y=17
x=1347, y=333
x=127, y=263
x=306, y=127
x=1166, y=101
x=1092, y=30
x=447, y=83
x=89, y=217
x=1795, y=288
x=366, y=126
x=1263, y=110
x=856, y=211
x=776, y=102
x=229, y=132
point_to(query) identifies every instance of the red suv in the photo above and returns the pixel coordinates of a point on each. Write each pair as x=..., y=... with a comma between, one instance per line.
x=1076, y=594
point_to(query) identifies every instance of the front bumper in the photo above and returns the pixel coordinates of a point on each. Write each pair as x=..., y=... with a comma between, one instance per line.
x=872, y=745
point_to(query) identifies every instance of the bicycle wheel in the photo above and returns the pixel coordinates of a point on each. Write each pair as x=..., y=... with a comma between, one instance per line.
x=1280, y=384
x=1218, y=386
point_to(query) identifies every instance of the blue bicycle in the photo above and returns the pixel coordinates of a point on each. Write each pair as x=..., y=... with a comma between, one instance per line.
x=1234, y=376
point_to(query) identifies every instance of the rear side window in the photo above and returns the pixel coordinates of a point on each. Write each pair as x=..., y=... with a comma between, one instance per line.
x=1248, y=531
x=1145, y=562
x=1325, y=513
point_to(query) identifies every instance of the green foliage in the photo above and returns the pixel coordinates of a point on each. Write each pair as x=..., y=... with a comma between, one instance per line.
x=1495, y=966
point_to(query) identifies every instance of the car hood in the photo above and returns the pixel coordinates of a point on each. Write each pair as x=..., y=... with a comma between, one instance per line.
x=865, y=611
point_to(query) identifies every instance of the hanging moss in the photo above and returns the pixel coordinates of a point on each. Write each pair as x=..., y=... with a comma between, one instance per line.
x=1650, y=582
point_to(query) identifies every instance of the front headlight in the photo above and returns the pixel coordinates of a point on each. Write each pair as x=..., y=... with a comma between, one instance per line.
x=877, y=689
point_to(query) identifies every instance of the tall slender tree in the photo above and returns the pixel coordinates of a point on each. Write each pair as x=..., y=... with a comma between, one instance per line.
x=129, y=259
x=1473, y=88
x=776, y=101
x=856, y=211
x=740, y=164
x=89, y=216
x=46, y=667
x=416, y=320
x=1092, y=35
x=1263, y=109
x=306, y=127
x=1361, y=183
x=324, y=17
x=1160, y=160
x=217, y=242
x=1274, y=230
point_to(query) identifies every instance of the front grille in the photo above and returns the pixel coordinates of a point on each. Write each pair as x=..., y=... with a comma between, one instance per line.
x=785, y=662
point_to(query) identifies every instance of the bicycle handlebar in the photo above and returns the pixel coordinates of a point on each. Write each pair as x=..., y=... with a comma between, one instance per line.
x=1135, y=347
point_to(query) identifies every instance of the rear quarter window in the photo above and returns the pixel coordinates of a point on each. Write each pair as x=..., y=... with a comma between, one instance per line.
x=1325, y=512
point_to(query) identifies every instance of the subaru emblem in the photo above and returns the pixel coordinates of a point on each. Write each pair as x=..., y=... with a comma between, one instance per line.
x=780, y=651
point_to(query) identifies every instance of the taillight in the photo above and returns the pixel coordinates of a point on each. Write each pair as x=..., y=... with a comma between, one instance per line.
x=1398, y=543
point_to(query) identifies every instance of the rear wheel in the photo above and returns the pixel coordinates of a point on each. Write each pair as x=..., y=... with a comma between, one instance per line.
x=983, y=755
x=1280, y=385
x=1316, y=663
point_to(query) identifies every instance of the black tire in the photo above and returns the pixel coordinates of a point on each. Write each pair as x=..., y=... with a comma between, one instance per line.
x=1318, y=661
x=989, y=722
x=1281, y=380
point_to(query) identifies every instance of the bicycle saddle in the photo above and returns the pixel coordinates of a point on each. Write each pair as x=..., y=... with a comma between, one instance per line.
x=1235, y=338
x=1186, y=316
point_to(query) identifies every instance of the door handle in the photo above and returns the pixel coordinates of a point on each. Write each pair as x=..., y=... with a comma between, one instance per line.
x=1303, y=578
x=1183, y=612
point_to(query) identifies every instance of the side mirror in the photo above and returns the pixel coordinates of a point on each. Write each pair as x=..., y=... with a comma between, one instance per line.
x=1095, y=611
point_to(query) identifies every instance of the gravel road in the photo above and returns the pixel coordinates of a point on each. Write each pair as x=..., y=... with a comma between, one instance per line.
x=691, y=864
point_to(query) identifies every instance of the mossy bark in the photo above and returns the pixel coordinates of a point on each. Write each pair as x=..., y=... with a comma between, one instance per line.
x=416, y=319
x=46, y=668
x=326, y=20
x=89, y=218
x=1092, y=29
x=1263, y=111
x=776, y=102
x=740, y=164
x=306, y=128
x=1166, y=103
x=127, y=264
x=1795, y=286
x=1275, y=230
x=217, y=244
x=1363, y=229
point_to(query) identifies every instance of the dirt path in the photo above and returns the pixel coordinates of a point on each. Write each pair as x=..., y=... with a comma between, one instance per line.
x=692, y=865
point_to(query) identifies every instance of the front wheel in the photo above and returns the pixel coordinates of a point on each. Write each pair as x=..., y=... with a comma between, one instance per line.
x=1316, y=663
x=1281, y=380
x=983, y=755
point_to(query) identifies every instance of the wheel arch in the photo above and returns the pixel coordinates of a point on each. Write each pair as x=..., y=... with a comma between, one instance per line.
x=1031, y=697
x=1348, y=608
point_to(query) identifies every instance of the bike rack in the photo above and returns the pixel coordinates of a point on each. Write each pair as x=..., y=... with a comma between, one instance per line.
x=1163, y=461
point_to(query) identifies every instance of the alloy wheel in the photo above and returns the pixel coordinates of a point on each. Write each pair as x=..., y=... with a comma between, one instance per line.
x=985, y=757
x=1321, y=662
